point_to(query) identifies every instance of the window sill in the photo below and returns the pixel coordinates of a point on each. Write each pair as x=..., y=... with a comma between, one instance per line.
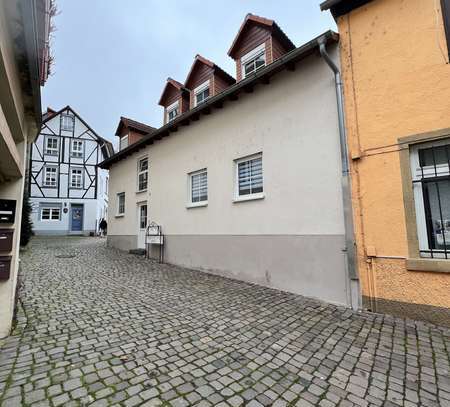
x=141, y=191
x=197, y=205
x=120, y=215
x=428, y=265
x=252, y=197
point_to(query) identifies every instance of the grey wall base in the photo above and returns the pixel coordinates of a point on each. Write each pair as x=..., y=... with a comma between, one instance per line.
x=122, y=242
x=310, y=265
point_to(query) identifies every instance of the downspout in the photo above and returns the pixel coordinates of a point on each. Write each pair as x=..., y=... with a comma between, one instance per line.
x=350, y=246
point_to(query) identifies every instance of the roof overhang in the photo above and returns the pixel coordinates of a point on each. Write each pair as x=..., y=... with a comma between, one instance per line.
x=230, y=94
x=341, y=7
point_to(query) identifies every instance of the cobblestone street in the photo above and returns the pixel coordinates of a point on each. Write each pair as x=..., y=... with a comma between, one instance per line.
x=107, y=328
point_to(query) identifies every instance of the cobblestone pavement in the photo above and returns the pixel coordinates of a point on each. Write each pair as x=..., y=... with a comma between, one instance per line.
x=107, y=328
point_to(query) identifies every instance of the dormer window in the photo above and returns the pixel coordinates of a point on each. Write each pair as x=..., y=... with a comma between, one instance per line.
x=253, y=60
x=172, y=111
x=201, y=93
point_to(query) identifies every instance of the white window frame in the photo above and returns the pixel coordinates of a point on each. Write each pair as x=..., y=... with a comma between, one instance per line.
x=200, y=89
x=77, y=153
x=119, y=195
x=51, y=209
x=47, y=168
x=54, y=151
x=170, y=109
x=251, y=56
x=65, y=121
x=190, y=203
x=122, y=141
x=253, y=196
x=416, y=174
x=71, y=183
x=139, y=173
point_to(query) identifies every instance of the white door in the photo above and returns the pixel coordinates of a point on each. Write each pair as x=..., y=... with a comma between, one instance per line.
x=142, y=224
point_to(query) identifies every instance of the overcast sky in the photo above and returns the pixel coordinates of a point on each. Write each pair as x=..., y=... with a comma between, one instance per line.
x=112, y=58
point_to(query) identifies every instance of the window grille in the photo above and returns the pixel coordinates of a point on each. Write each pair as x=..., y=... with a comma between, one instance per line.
x=431, y=184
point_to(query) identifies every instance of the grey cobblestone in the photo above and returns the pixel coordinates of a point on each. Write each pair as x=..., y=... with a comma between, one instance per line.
x=107, y=328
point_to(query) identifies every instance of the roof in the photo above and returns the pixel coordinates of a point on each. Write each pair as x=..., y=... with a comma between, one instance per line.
x=230, y=94
x=171, y=82
x=107, y=147
x=341, y=7
x=135, y=125
x=270, y=24
x=217, y=70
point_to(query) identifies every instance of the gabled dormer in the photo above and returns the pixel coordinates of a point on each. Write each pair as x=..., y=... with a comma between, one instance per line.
x=205, y=80
x=259, y=42
x=174, y=99
x=129, y=131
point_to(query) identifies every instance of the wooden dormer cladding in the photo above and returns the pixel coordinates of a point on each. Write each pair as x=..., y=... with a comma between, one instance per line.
x=203, y=75
x=130, y=131
x=174, y=96
x=259, y=33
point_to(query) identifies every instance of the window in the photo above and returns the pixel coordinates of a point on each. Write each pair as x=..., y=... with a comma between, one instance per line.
x=51, y=214
x=77, y=148
x=67, y=122
x=253, y=60
x=172, y=111
x=51, y=145
x=50, y=176
x=143, y=216
x=121, y=203
x=201, y=93
x=76, y=178
x=123, y=142
x=430, y=170
x=249, y=178
x=142, y=174
x=198, y=190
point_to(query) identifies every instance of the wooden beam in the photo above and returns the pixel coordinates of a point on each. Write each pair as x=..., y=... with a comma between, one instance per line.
x=207, y=111
x=195, y=117
x=248, y=89
x=290, y=66
x=265, y=80
x=233, y=97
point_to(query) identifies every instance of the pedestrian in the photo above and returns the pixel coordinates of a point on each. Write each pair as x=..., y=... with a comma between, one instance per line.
x=103, y=227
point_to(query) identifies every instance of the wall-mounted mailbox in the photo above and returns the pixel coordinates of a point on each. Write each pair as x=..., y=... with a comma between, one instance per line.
x=6, y=240
x=7, y=210
x=5, y=267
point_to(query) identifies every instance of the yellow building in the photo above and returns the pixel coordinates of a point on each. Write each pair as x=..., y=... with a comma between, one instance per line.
x=396, y=74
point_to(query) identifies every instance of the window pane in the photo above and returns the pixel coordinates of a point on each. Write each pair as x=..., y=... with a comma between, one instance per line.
x=250, y=176
x=434, y=155
x=143, y=165
x=143, y=216
x=199, y=187
x=437, y=210
x=143, y=181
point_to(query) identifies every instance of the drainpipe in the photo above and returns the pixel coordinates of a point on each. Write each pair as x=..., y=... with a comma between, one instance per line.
x=350, y=246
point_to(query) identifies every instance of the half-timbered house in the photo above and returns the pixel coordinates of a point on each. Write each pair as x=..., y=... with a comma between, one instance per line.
x=67, y=190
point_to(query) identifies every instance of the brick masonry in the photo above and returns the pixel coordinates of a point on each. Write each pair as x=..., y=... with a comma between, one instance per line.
x=100, y=327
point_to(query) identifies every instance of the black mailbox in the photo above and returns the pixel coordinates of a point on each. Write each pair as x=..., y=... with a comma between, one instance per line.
x=5, y=266
x=7, y=210
x=6, y=240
